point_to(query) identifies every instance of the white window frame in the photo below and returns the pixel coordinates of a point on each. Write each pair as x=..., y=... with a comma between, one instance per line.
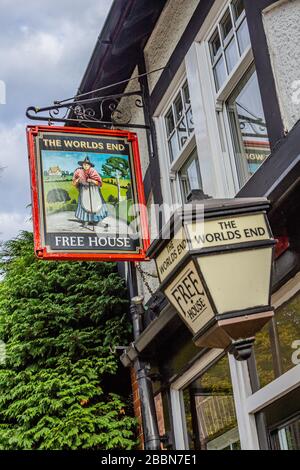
x=179, y=422
x=215, y=101
x=208, y=38
x=241, y=390
x=170, y=184
x=290, y=379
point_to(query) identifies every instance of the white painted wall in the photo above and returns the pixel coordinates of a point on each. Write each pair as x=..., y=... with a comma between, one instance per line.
x=282, y=27
x=166, y=34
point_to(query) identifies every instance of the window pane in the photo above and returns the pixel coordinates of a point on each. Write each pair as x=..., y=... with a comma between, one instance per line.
x=220, y=73
x=179, y=122
x=287, y=320
x=226, y=24
x=169, y=122
x=263, y=349
x=231, y=55
x=248, y=126
x=287, y=437
x=182, y=133
x=186, y=95
x=210, y=412
x=215, y=44
x=188, y=418
x=190, y=122
x=173, y=147
x=243, y=36
x=178, y=107
x=238, y=8
x=189, y=175
x=277, y=345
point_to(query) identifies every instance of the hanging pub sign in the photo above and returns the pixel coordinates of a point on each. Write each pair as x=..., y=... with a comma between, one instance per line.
x=87, y=194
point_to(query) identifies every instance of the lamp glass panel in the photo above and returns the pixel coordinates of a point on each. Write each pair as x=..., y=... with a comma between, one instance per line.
x=238, y=280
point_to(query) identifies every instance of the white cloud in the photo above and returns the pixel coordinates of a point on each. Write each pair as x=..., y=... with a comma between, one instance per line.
x=14, y=177
x=14, y=182
x=45, y=47
x=12, y=223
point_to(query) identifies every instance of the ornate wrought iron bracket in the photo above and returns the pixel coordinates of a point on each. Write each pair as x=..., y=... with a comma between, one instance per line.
x=108, y=111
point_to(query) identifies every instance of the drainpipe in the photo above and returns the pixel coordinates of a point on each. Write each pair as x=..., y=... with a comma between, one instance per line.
x=149, y=419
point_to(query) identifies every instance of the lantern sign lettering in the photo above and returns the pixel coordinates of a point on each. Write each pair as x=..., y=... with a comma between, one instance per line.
x=227, y=231
x=172, y=254
x=188, y=296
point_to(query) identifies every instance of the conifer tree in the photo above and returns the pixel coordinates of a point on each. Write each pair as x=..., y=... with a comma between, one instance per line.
x=60, y=322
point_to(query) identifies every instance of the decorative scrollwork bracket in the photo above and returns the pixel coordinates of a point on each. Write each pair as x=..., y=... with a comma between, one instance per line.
x=111, y=111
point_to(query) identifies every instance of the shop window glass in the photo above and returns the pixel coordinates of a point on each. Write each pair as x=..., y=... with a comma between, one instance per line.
x=287, y=436
x=248, y=126
x=277, y=345
x=288, y=327
x=282, y=421
x=264, y=357
x=210, y=412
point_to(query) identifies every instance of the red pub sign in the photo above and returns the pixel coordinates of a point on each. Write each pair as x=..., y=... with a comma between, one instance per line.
x=87, y=194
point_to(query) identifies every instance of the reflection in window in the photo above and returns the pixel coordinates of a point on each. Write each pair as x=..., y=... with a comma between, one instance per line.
x=288, y=326
x=209, y=408
x=287, y=437
x=276, y=344
x=229, y=41
x=248, y=126
x=264, y=357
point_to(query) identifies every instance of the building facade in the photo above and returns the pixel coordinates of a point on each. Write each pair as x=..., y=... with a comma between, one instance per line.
x=219, y=117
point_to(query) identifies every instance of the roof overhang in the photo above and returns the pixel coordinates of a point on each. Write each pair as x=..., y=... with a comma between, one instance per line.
x=127, y=28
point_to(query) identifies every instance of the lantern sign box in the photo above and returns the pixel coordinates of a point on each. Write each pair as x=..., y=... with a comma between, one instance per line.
x=87, y=194
x=215, y=268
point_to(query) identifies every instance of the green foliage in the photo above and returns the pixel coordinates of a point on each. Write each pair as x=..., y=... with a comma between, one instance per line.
x=60, y=322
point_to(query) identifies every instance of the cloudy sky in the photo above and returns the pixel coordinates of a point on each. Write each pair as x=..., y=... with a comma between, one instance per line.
x=45, y=46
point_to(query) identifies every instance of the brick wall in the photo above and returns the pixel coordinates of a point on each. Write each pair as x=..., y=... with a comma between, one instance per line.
x=137, y=407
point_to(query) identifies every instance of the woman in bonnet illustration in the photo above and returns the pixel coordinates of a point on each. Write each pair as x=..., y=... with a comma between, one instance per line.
x=91, y=208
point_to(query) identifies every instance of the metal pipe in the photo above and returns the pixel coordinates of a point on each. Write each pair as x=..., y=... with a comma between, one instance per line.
x=142, y=368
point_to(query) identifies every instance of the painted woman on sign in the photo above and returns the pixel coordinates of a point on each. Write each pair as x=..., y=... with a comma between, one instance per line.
x=91, y=208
